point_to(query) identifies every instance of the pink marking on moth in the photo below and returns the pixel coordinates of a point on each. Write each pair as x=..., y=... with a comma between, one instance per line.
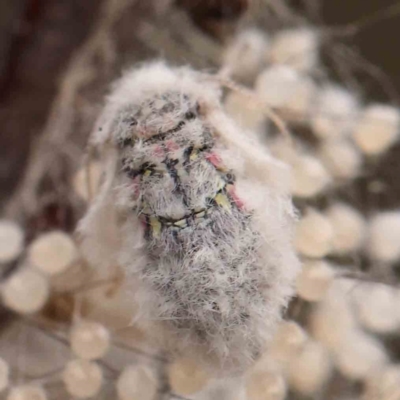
x=143, y=223
x=158, y=151
x=214, y=159
x=135, y=187
x=232, y=193
x=171, y=145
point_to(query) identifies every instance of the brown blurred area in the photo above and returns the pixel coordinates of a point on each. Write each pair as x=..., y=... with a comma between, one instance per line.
x=378, y=38
x=39, y=37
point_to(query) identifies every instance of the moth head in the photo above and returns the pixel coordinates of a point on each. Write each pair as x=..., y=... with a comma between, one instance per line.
x=156, y=117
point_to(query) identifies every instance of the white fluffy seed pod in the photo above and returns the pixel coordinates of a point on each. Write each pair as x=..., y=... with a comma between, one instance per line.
x=335, y=112
x=82, y=378
x=87, y=179
x=52, y=252
x=186, y=376
x=359, y=355
x=341, y=158
x=383, y=237
x=11, y=241
x=89, y=340
x=297, y=48
x=26, y=291
x=173, y=210
x=309, y=176
x=288, y=340
x=310, y=369
x=246, y=113
x=244, y=57
x=4, y=374
x=284, y=88
x=314, y=280
x=384, y=385
x=349, y=228
x=283, y=149
x=266, y=385
x=137, y=382
x=333, y=318
x=377, y=128
x=27, y=392
x=377, y=307
x=314, y=235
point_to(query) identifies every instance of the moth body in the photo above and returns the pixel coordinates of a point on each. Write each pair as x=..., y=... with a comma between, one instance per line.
x=202, y=217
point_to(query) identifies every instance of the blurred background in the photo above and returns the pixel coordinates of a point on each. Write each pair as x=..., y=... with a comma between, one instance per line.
x=341, y=335
x=39, y=38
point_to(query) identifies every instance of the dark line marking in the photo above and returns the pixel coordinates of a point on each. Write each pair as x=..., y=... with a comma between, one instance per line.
x=133, y=173
x=148, y=232
x=131, y=121
x=186, y=155
x=170, y=165
x=190, y=115
x=162, y=135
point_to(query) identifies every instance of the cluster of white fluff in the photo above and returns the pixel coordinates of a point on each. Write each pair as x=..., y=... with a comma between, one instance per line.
x=201, y=218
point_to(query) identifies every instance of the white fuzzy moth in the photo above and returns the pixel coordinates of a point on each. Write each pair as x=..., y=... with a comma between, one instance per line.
x=197, y=214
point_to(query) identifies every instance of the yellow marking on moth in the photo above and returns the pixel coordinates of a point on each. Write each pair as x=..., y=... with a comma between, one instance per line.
x=194, y=155
x=221, y=183
x=182, y=223
x=156, y=226
x=146, y=209
x=223, y=201
x=147, y=172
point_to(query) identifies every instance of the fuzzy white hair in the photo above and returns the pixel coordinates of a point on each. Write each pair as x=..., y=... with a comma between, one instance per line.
x=196, y=212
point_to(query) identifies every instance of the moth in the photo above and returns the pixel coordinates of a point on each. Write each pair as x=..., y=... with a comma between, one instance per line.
x=196, y=212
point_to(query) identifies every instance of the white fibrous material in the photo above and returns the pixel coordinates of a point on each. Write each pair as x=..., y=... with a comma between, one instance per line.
x=335, y=112
x=11, y=241
x=196, y=212
x=384, y=385
x=383, y=237
x=310, y=368
x=82, y=378
x=266, y=385
x=314, y=235
x=349, y=228
x=26, y=291
x=246, y=112
x=341, y=158
x=288, y=340
x=314, y=280
x=284, y=88
x=89, y=340
x=333, y=318
x=297, y=48
x=186, y=376
x=87, y=180
x=309, y=177
x=137, y=382
x=377, y=307
x=244, y=57
x=52, y=252
x=27, y=392
x=4, y=374
x=359, y=355
x=377, y=128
